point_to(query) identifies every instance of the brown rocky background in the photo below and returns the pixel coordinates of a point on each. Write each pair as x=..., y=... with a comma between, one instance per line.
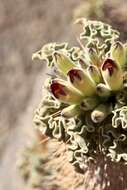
x=26, y=25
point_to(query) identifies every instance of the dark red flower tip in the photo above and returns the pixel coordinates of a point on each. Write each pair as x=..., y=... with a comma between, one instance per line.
x=57, y=89
x=74, y=74
x=110, y=65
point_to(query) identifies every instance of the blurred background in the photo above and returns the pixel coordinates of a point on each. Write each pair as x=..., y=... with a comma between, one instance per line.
x=25, y=26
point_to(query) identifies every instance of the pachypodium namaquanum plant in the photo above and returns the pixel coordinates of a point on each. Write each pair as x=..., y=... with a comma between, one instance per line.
x=86, y=95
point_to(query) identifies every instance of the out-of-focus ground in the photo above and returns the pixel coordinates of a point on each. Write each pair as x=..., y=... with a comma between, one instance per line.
x=26, y=25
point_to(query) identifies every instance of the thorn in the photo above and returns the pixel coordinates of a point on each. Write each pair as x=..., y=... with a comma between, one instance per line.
x=44, y=141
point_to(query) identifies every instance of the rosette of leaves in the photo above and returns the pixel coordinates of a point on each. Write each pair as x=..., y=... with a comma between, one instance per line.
x=86, y=98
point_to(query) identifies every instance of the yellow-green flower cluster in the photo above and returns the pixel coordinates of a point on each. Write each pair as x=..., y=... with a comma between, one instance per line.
x=90, y=84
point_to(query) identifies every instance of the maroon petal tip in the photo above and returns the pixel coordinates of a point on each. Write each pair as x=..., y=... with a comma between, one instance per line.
x=74, y=74
x=57, y=89
x=109, y=65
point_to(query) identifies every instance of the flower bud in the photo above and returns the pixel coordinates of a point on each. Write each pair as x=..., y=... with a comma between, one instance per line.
x=94, y=57
x=65, y=93
x=71, y=111
x=81, y=81
x=102, y=90
x=94, y=73
x=112, y=75
x=118, y=53
x=63, y=63
x=100, y=113
x=89, y=103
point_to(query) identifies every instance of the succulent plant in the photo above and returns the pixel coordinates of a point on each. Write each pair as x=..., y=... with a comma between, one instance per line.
x=86, y=99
